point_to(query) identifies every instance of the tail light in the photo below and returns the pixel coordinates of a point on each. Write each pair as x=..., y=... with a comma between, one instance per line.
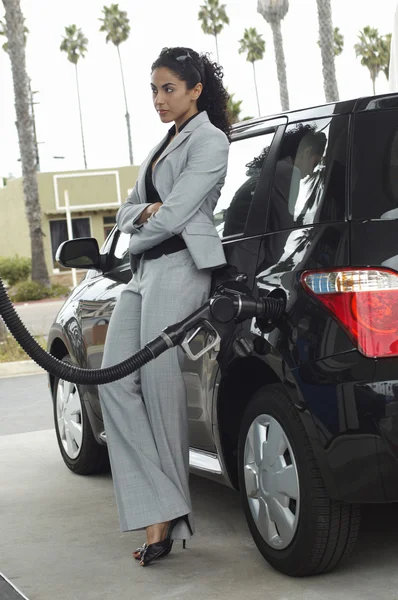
x=364, y=302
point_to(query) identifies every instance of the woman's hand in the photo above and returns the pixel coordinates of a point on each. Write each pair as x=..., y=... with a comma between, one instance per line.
x=150, y=210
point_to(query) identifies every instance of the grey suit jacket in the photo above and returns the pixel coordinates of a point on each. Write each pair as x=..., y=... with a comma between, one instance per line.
x=188, y=176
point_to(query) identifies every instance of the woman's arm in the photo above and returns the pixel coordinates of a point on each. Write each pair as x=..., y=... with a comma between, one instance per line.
x=206, y=165
x=130, y=212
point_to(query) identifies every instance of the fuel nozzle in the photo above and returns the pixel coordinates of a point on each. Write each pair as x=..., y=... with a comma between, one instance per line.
x=232, y=301
x=237, y=306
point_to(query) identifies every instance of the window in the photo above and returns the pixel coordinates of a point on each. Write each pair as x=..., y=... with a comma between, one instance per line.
x=120, y=254
x=246, y=158
x=59, y=232
x=309, y=183
x=375, y=166
x=122, y=247
x=109, y=223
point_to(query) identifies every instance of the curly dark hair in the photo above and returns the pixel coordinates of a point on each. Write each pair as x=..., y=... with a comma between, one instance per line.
x=194, y=68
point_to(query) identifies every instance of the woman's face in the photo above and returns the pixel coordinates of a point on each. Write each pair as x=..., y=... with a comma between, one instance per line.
x=171, y=98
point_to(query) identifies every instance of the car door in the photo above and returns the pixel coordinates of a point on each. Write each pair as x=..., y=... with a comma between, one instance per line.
x=240, y=219
x=307, y=228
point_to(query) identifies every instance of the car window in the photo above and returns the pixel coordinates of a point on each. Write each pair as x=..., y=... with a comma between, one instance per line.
x=244, y=166
x=374, y=178
x=106, y=246
x=309, y=183
x=120, y=253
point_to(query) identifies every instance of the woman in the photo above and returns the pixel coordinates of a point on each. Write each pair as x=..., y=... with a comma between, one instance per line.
x=174, y=246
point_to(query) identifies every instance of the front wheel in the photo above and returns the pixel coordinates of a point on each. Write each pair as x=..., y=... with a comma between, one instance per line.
x=296, y=526
x=80, y=450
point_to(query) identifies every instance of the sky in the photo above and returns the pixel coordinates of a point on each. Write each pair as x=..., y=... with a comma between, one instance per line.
x=155, y=24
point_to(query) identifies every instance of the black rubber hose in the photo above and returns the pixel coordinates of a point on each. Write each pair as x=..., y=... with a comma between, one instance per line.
x=222, y=309
x=69, y=372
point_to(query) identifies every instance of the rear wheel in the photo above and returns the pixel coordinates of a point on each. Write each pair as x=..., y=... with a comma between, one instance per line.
x=80, y=450
x=296, y=526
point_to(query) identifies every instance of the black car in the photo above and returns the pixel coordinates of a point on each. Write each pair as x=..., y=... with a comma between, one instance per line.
x=302, y=418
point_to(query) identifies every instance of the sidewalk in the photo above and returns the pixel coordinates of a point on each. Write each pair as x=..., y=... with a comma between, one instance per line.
x=19, y=367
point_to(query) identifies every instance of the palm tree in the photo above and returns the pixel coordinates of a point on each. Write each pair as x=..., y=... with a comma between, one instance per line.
x=338, y=42
x=3, y=32
x=213, y=17
x=274, y=11
x=74, y=43
x=327, y=43
x=115, y=23
x=253, y=44
x=386, y=43
x=374, y=50
x=16, y=37
x=234, y=109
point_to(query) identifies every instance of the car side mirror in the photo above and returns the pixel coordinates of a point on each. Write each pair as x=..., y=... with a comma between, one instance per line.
x=82, y=253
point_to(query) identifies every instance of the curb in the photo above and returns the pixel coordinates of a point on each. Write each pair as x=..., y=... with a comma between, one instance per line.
x=42, y=301
x=19, y=367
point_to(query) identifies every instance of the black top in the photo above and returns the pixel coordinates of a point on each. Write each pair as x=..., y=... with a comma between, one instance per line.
x=175, y=243
x=152, y=195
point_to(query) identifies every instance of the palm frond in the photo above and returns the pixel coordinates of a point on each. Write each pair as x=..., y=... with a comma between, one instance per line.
x=74, y=43
x=116, y=24
x=252, y=44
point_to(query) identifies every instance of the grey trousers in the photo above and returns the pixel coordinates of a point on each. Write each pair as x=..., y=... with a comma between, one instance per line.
x=145, y=414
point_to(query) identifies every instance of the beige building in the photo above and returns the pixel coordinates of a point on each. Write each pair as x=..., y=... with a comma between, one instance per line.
x=94, y=198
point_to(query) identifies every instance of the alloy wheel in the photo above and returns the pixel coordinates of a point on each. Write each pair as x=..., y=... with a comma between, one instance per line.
x=271, y=480
x=69, y=418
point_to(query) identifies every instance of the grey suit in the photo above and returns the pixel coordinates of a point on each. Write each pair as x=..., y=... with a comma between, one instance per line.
x=145, y=414
x=188, y=176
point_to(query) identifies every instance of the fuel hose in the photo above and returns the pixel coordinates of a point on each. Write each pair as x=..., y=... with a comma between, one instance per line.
x=224, y=307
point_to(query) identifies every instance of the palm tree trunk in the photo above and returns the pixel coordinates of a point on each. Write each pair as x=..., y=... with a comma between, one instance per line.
x=32, y=104
x=374, y=85
x=81, y=119
x=127, y=110
x=218, y=57
x=327, y=50
x=280, y=63
x=255, y=85
x=16, y=49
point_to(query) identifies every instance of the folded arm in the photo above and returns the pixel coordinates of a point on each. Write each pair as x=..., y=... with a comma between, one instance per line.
x=206, y=165
x=129, y=213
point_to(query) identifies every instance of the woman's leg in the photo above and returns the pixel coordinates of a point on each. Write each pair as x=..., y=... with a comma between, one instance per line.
x=143, y=493
x=171, y=289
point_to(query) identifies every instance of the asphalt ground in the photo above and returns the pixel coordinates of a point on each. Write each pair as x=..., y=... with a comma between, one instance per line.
x=60, y=537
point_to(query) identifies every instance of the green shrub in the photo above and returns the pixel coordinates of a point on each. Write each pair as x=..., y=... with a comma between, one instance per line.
x=29, y=290
x=15, y=268
x=58, y=290
x=26, y=291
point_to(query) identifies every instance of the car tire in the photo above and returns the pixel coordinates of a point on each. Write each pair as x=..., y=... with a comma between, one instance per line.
x=301, y=536
x=80, y=450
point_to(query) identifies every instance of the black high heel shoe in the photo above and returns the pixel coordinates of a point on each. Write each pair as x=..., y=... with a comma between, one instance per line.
x=159, y=549
x=139, y=551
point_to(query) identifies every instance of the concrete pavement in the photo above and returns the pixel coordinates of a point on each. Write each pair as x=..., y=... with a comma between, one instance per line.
x=25, y=405
x=19, y=367
x=60, y=540
x=38, y=316
x=60, y=536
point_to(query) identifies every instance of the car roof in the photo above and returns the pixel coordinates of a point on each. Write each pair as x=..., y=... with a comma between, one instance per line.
x=381, y=102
